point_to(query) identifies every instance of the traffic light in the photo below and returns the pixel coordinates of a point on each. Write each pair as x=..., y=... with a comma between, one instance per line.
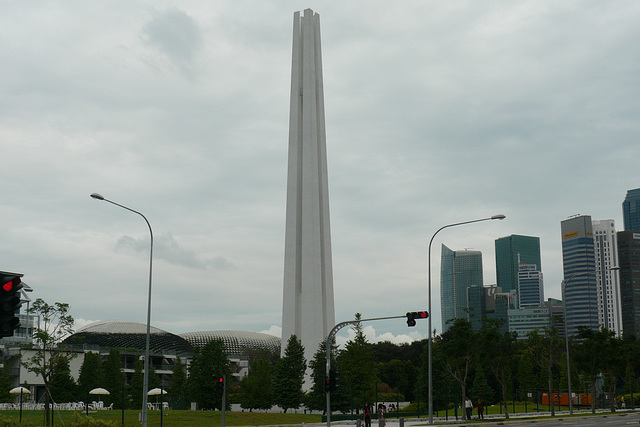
x=10, y=285
x=220, y=382
x=331, y=383
x=413, y=315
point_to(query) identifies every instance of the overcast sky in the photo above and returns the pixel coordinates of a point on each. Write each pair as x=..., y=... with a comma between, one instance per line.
x=436, y=112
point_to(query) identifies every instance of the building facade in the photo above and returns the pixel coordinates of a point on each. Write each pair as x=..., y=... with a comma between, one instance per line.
x=523, y=320
x=631, y=210
x=579, y=286
x=459, y=270
x=510, y=252
x=530, y=286
x=607, y=280
x=629, y=262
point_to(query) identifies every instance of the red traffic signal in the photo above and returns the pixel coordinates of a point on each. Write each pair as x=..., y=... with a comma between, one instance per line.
x=413, y=315
x=10, y=284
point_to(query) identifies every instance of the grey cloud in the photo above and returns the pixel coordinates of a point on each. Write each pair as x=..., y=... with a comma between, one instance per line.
x=167, y=248
x=176, y=35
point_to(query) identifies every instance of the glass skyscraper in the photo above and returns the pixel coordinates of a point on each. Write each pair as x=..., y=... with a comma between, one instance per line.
x=510, y=252
x=459, y=270
x=631, y=210
x=579, y=265
x=629, y=257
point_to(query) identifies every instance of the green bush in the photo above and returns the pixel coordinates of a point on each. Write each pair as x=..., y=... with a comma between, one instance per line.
x=8, y=422
x=84, y=421
x=627, y=400
x=390, y=397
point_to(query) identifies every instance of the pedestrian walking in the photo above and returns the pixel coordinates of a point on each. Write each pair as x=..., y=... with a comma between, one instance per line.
x=468, y=406
x=381, y=410
x=480, y=407
x=367, y=415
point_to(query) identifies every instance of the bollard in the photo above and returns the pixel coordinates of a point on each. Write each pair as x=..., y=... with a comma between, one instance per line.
x=358, y=422
x=401, y=420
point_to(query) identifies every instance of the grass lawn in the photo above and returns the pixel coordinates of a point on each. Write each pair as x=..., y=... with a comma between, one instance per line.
x=170, y=419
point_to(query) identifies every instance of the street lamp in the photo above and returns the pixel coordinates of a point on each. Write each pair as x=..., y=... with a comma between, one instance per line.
x=566, y=331
x=145, y=384
x=499, y=216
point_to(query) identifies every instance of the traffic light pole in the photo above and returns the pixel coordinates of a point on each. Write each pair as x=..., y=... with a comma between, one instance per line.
x=224, y=392
x=330, y=338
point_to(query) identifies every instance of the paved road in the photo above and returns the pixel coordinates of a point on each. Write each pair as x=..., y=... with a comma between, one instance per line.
x=618, y=419
x=560, y=420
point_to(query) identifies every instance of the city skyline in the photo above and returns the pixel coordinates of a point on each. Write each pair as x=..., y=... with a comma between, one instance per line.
x=180, y=110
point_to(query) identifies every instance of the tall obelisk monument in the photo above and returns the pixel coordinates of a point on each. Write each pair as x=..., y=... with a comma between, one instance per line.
x=307, y=310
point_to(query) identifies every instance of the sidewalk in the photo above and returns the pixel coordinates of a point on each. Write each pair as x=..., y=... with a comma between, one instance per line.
x=489, y=419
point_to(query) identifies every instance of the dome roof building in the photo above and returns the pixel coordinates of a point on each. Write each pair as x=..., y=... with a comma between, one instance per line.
x=236, y=343
x=129, y=335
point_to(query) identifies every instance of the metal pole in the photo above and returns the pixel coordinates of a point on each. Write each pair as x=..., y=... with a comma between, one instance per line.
x=224, y=390
x=566, y=341
x=430, y=338
x=145, y=385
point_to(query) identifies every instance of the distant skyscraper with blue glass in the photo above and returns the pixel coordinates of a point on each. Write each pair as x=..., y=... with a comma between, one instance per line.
x=631, y=210
x=579, y=265
x=510, y=252
x=459, y=270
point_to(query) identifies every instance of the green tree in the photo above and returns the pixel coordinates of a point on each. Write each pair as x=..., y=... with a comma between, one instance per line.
x=55, y=324
x=256, y=388
x=395, y=373
x=498, y=351
x=546, y=350
x=316, y=398
x=63, y=386
x=113, y=378
x=209, y=363
x=527, y=372
x=444, y=385
x=357, y=369
x=136, y=386
x=289, y=376
x=178, y=389
x=596, y=354
x=91, y=375
x=5, y=383
x=480, y=389
x=458, y=347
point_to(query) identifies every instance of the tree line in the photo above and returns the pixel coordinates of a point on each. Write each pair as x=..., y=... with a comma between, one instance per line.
x=485, y=364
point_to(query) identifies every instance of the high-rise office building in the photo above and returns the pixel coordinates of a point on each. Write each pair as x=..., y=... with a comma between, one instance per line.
x=579, y=287
x=629, y=262
x=607, y=280
x=510, y=252
x=459, y=270
x=530, y=286
x=631, y=210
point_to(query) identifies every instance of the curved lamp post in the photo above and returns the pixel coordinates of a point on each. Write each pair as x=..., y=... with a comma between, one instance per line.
x=499, y=216
x=145, y=385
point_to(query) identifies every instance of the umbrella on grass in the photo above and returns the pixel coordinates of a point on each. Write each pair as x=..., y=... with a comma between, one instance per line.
x=20, y=390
